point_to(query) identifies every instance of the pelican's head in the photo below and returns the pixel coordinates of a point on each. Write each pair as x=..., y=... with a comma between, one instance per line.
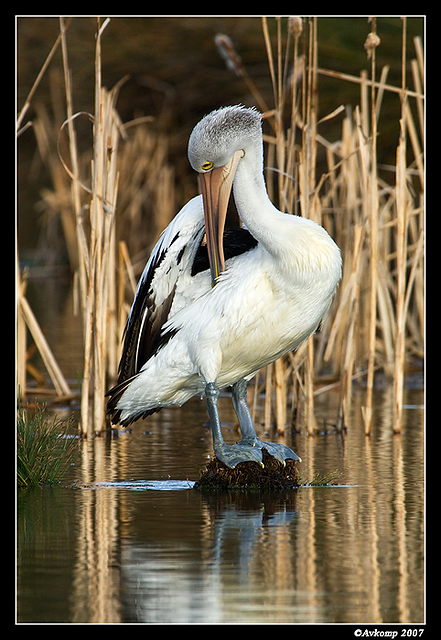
x=216, y=146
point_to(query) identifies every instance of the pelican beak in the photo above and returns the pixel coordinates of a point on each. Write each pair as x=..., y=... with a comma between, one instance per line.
x=215, y=186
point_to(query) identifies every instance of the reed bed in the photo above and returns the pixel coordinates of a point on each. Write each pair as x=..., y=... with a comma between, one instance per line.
x=84, y=195
x=112, y=219
x=377, y=317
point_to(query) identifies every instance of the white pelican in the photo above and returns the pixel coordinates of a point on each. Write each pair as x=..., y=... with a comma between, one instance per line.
x=208, y=316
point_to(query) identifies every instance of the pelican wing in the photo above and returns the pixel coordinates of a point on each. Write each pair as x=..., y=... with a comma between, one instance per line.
x=165, y=274
x=170, y=261
x=167, y=285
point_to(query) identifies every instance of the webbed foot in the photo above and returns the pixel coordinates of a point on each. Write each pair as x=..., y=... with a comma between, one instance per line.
x=279, y=451
x=249, y=449
x=232, y=454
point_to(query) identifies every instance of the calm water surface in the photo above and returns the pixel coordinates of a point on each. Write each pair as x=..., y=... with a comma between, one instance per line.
x=125, y=538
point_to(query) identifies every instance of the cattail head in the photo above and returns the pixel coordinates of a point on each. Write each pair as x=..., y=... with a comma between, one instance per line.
x=226, y=49
x=372, y=41
x=295, y=25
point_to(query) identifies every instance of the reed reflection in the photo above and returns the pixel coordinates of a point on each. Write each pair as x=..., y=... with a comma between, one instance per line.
x=244, y=542
x=344, y=554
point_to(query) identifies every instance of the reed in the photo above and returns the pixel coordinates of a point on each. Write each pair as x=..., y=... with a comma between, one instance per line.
x=96, y=246
x=376, y=320
x=372, y=42
x=27, y=319
x=84, y=195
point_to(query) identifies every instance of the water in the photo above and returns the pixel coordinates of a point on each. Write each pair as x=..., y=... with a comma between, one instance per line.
x=124, y=537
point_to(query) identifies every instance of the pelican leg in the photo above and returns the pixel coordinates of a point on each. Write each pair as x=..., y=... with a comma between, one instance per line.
x=229, y=454
x=249, y=436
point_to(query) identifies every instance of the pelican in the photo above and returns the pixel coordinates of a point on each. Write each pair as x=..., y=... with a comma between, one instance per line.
x=212, y=308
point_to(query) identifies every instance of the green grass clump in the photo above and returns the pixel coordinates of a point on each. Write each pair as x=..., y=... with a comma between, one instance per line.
x=44, y=453
x=322, y=480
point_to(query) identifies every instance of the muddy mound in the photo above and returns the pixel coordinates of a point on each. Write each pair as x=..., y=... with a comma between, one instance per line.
x=249, y=475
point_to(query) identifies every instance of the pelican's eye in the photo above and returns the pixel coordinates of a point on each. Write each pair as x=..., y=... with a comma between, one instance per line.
x=207, y=165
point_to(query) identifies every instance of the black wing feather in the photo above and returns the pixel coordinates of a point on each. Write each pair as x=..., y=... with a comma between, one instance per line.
x=236, y=242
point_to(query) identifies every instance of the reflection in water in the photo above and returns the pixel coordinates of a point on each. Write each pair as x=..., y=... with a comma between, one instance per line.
x=216, y=583
x=104, y=550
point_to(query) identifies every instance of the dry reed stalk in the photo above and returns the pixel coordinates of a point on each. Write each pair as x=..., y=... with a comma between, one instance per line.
x=41, y=73
x=386, y=319
x=100, y=311
x=269, y=54
x=280, y=385
x=55, y=373
x=413, y=136
x=275, y=372
x=309, y=385
x=268, y=397
x=377, y=85
x=353, y=287
x=25, y=317
x=282, y=153
x=402, y=207
x=311, y=208
x=83, y=258
x=21, y=340
x=371, y=44
x=96, y=253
